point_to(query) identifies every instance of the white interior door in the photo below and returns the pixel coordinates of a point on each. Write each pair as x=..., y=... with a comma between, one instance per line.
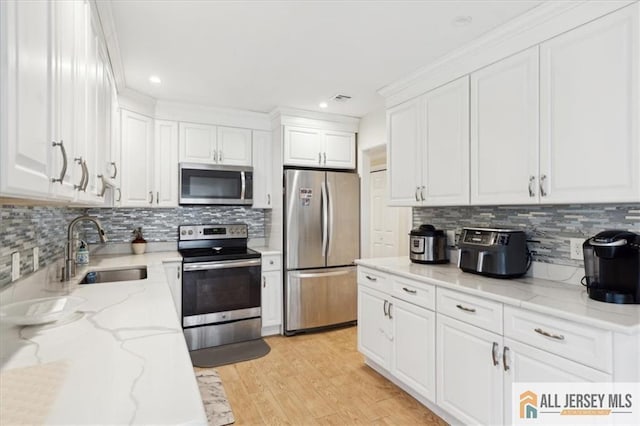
x=388, y=224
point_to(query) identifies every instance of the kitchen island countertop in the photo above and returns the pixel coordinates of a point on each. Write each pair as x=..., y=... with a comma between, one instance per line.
x=121, y=359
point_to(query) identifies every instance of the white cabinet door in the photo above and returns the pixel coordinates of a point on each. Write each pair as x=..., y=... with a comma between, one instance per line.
x=469, y=374
x=339, y=150
x=504, y=131
x=166, y=164
x=414, y=353
x=445, y=175
x=302, y=147
x=374, y=326
x=26, y=125
x=271, y=299
x=262, y=170
x=590, y=112
x=404, y=154
x=234, y=146
x=137, y=160
x=198, y=143
x=173, y=272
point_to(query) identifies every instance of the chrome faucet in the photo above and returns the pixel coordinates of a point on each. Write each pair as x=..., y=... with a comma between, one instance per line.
x=69, y=253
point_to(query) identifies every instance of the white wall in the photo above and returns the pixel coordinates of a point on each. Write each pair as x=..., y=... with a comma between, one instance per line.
x=372, y=130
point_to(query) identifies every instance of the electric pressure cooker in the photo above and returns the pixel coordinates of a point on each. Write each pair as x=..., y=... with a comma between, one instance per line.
x=428, y=245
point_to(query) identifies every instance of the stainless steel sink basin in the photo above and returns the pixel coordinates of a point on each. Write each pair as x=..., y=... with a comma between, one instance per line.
x=113, y=275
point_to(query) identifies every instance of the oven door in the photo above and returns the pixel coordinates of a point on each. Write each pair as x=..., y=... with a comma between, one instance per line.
x=205, y=184
x=214, y=292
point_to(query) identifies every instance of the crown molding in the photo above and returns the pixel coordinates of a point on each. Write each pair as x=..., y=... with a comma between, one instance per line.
x=196, y=113
x=537, y=25
x=314, y=119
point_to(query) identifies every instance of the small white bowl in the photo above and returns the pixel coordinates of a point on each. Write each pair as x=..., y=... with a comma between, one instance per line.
x=40, y=311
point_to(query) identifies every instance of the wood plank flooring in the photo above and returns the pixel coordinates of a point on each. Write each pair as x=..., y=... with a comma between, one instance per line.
x=319, y=379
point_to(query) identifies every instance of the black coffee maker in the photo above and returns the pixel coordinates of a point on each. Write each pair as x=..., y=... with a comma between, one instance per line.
x=612, y=266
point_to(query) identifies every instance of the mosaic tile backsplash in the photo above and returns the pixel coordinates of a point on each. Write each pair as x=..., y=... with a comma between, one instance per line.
x=548, y=228
x=23, y=228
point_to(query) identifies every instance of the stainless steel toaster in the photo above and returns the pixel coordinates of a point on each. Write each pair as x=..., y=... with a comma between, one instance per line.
x=495, y=252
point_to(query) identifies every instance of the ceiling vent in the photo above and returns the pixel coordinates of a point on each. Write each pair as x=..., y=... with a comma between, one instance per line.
x=340, y=98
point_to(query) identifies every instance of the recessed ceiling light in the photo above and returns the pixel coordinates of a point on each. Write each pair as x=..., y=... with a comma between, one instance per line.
x=461, y=21
x=155, y=79
x=323, y=105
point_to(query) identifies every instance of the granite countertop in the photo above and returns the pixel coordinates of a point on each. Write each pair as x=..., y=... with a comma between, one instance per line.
x=122, y=359
x=562, y=300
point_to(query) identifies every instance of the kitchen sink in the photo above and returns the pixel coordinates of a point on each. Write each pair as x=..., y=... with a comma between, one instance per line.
x=113, y=275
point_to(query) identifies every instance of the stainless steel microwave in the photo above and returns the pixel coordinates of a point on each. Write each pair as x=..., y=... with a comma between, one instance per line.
x=212, y=184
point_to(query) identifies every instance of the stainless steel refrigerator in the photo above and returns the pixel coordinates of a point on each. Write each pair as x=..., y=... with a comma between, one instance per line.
x=321, y=242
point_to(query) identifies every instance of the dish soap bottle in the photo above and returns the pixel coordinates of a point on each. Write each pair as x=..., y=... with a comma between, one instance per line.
x=82, y=255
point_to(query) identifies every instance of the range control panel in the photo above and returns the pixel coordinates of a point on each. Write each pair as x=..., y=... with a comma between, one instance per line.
x=212, y=232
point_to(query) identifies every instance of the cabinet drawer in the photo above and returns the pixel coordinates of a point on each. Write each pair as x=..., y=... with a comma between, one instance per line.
x=374, y=279
x=271, y=262
x=418, y=293
x=584, y=344
x=474, y=310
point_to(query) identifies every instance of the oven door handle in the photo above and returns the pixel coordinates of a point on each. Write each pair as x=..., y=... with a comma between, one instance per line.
x=224, y=264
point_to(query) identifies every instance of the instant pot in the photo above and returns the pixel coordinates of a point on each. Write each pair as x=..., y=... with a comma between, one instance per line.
x=428, y=245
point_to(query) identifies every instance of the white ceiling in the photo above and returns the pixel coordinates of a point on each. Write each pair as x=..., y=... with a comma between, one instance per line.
x=257, y=55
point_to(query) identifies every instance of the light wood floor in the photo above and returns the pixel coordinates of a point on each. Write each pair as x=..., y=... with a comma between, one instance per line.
x=317, y=378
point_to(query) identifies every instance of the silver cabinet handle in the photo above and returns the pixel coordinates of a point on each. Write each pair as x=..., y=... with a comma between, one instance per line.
x=319, y=158
x=370, y=278
x=151, y=195
x=494, y=353
x=324, y=155
x=543, y=193
x=264, y=282
x=384, y=308
x=546, y=333
x=532, y=179
x=416, y=194
x=103, y=189
x=119, y=195
x=390, y=305
x=86, y=179
x=215, y=155
x=158, y=197
x=178, y=273
x=464, y=308
x=504, y=358
x=269, y=199
x=422, y=191
x=79, y=186
x=220, y=156
x=63, y=172
x=271, y=262
x=410, y=291
x=115, y=170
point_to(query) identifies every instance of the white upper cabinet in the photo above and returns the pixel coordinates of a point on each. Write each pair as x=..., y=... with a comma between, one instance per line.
x=165, y=180
x=590, y=145
x=428, y=148
x=234, y=146
x=262, y=170
x=26, y=127
x=319, y=148
x=504, y=131
x=202, y=143
x=137, y=160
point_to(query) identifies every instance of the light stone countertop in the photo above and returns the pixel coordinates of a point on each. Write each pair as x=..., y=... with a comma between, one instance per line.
x=123, y=360
x=266, y=251
x=562, y=300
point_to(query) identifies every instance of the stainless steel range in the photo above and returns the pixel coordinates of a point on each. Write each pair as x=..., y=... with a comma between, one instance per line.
x=220, y=285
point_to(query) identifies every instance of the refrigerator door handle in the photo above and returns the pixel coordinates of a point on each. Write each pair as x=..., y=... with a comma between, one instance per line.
x=330, y=224
x=325, y=218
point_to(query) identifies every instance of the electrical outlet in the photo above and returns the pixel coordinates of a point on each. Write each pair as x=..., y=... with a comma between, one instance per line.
x=575, y=248
x=36, y=259
x=15, y=266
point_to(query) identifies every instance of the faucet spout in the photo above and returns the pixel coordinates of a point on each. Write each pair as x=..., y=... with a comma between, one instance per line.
x=69, y=254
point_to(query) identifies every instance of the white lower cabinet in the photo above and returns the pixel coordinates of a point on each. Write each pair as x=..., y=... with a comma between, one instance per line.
x=271, y=294
x=173, y=272
x=469, y=372
x=414, y=353
x=465, y=357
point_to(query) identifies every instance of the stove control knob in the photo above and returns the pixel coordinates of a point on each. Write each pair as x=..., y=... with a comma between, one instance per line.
x=190, y=232
x=183, y=232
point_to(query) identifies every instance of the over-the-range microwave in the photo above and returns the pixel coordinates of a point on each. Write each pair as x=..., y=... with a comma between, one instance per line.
x=212, y=184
